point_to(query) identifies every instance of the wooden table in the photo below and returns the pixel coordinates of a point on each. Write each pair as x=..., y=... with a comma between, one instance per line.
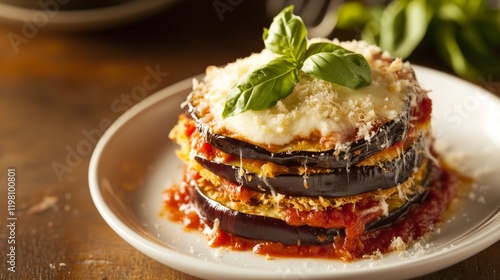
x=56, y=88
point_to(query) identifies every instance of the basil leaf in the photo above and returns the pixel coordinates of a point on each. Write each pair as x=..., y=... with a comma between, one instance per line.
x=341, y=67
x=315, y=48
x=489, y=27
x=287, y=35
x=262, y=88
x=477, y=51
x=371, y=31
x=351, y=15
x=449, y=49
x=404, y=25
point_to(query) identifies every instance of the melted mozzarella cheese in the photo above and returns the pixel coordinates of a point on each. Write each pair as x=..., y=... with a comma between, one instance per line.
x=315, y=107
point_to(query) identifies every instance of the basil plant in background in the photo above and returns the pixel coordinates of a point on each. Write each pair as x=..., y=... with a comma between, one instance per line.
x=464, y=33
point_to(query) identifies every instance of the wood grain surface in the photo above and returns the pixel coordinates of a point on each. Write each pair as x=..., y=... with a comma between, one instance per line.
x=58, y=93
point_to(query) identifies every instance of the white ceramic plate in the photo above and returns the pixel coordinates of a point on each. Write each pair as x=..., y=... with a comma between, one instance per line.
x=32, y=16
x=134, y=162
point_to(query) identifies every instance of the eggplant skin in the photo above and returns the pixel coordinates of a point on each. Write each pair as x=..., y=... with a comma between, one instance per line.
x=396, y=215
x=388, y=134
x=264, y=228
x=259, y=227
x=339, y=182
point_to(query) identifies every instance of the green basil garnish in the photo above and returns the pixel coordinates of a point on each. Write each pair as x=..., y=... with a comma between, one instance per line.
x=262, y=88
x=349, y=68
x=287, y=36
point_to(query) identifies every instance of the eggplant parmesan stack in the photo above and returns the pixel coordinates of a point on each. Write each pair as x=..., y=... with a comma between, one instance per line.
x=329, y=171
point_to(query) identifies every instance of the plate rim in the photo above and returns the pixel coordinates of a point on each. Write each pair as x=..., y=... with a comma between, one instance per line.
x=85, y=19
x=178, y=260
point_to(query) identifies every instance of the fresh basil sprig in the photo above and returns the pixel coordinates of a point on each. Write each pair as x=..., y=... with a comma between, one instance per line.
x=287, y=36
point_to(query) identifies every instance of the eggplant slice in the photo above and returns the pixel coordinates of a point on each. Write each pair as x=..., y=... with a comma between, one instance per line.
x=388, y=134
x=258, y=227
x=339, y=182
x=396, y=215
x=264, y=228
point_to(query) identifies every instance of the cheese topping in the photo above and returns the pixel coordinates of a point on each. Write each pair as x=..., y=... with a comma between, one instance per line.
x=333, y=113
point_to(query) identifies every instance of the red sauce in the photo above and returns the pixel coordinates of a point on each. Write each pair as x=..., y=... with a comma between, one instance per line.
x=189, y=128
x=420, y=220
x=422, y=112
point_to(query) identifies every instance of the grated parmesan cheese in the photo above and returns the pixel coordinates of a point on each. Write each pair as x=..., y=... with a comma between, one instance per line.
x=315, y=107
x=397, y=244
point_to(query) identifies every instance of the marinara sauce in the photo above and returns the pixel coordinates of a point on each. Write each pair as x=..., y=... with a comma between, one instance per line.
x=420, y=220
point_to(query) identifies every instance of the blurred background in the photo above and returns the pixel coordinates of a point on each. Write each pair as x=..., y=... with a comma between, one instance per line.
x=69, y=68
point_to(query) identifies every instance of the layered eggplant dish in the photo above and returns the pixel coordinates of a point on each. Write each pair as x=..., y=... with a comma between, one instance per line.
x=309, y=148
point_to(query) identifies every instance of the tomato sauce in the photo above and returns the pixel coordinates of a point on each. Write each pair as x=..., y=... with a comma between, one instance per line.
x=420, y=220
